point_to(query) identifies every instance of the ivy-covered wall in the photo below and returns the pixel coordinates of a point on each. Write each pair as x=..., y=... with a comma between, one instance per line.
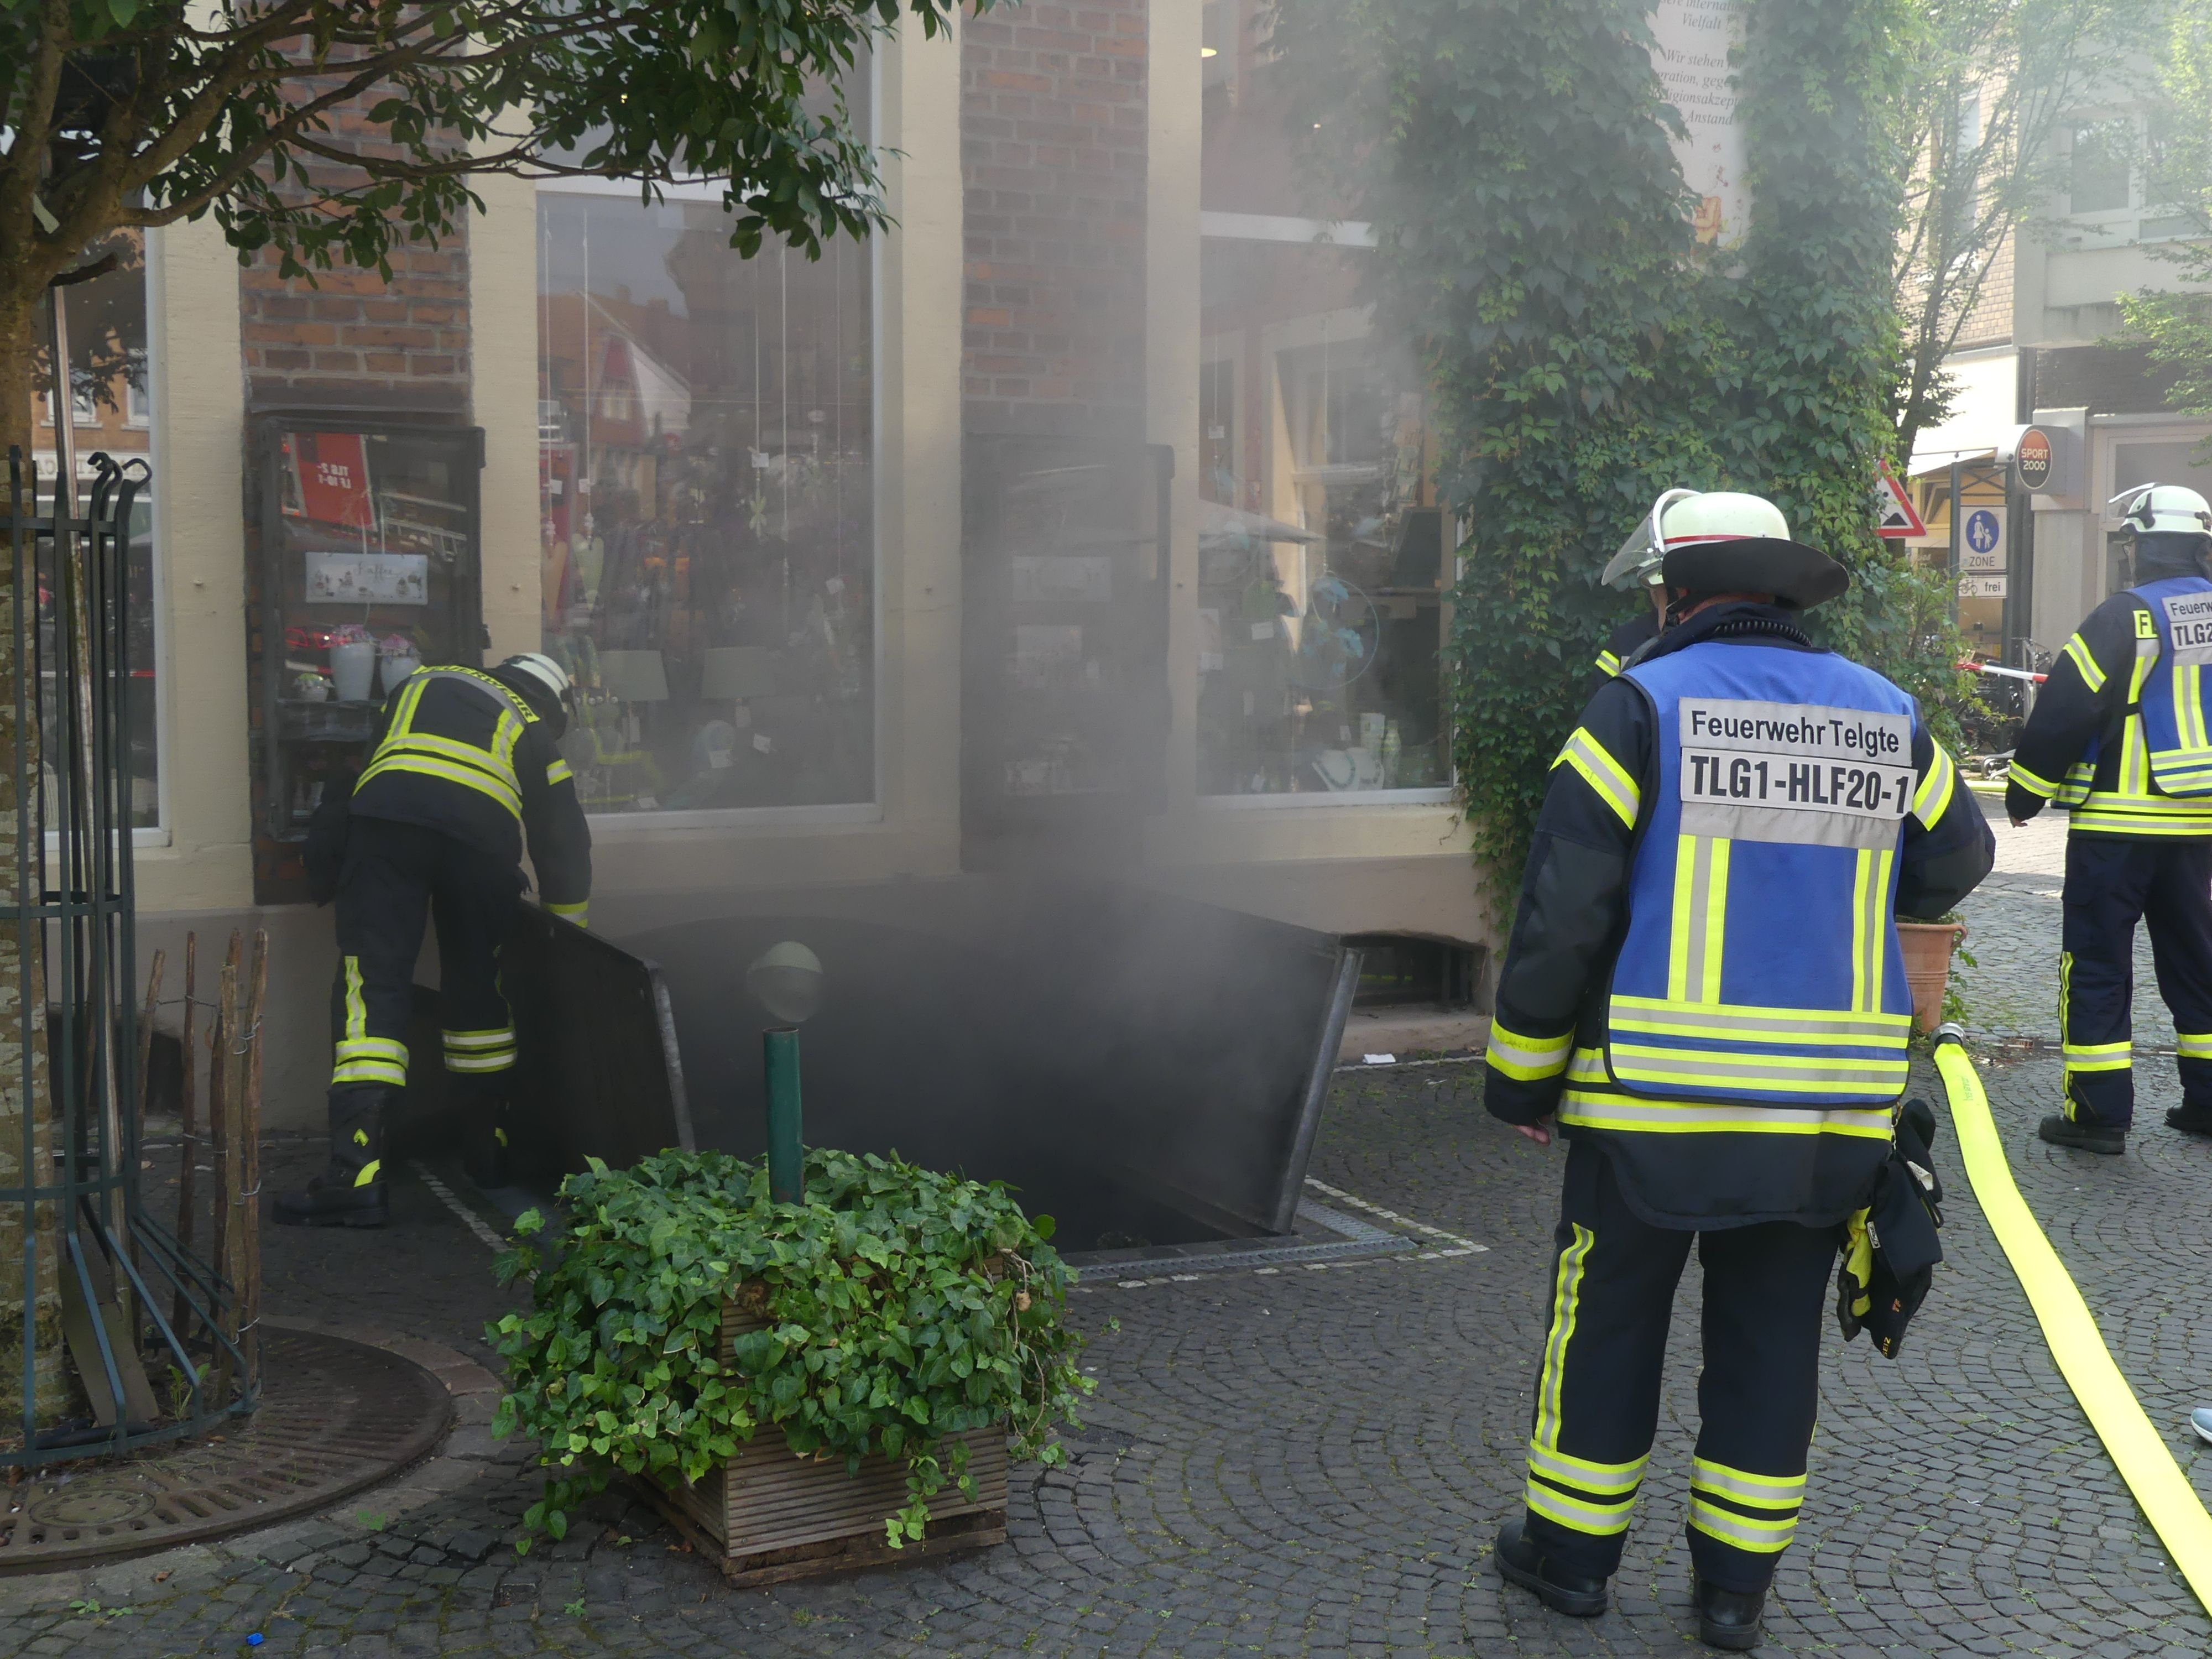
x=1533, y=235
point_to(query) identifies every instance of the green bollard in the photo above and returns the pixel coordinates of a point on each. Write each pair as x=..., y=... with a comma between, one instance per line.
x=786, y=1158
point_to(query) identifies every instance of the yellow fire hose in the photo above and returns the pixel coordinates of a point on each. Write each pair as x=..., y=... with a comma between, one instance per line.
x=2144, y=1462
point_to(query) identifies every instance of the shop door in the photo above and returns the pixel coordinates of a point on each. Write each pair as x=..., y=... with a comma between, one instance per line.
x=1064, y=685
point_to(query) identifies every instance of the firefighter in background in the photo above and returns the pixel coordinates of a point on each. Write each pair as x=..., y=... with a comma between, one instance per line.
x=1704, y=986
x=464, y=762
x=1638, y=566
x=2119, y=738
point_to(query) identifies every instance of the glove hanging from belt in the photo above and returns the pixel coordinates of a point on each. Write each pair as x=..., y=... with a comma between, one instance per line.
x=1891, y=1247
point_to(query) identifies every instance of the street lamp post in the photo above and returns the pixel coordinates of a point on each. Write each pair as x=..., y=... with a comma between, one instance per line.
x=787, y=981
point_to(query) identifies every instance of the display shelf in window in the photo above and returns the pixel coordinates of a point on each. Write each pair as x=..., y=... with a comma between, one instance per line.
x=366, y=566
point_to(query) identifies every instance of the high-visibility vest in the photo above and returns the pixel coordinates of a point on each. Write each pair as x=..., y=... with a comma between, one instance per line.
x=489, y=771
x=1760, y=985
x=2173, y=688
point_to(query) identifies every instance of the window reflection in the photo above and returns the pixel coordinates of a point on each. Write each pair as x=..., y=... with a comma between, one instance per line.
x=706, y=476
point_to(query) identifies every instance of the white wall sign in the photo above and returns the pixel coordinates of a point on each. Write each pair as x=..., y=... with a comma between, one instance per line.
x=369, y=578
x=1692, y=41
x=1982, y=539
x=1982, y=587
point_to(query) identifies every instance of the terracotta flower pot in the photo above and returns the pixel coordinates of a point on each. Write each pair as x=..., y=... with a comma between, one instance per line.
x=1928, y=947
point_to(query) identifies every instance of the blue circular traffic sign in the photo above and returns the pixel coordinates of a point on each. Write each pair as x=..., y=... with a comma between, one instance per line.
x=1982, y=531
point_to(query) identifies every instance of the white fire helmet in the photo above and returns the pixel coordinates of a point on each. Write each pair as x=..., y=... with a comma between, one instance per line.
x=1686, y=518
x=542, y=670
x=2164, y=509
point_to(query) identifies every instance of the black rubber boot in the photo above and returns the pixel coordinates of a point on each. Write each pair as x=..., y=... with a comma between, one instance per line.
x=1520, y=1561
x=327, y=1204
x=2191, y=1120
x=485, y=1157
x=1728, y=1618
x=2061, y=1131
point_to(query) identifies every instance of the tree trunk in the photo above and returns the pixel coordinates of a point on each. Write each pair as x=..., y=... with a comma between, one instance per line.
x=26, y=1103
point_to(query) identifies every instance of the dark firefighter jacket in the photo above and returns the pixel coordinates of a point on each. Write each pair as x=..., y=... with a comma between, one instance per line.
x=458, y=751
x=1573, y=916
x=2084, y=744
x=1631, y=637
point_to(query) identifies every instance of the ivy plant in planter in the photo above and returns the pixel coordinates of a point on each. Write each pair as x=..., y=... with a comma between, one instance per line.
x=896, y=1308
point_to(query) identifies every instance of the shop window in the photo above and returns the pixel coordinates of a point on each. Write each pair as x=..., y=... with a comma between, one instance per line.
x=1321, y=565
x=705, y=479
x=110, y=412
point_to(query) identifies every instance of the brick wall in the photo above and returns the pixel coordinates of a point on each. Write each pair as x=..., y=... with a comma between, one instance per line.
x=1052, y=165
x=350, y=340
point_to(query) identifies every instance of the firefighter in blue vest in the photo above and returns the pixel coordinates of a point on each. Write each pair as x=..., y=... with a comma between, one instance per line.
x=2122, y=737
x=1636, y=567
x=463, y=762
x=1703, y=986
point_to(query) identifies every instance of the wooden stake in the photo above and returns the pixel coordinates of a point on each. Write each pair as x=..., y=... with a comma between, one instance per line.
x=228, y=1103
x=146, y=1047
x=249, y=1139
x=188, y=1138
x=138, y=1199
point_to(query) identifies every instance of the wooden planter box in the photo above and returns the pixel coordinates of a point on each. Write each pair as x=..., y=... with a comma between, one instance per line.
x=766, y=1517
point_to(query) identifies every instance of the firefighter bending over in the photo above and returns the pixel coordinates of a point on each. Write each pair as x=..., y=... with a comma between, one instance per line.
x=464, y=762
x=1704, y=986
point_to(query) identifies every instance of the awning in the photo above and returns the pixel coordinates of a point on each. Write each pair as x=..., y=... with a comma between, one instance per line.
x=1928, y=462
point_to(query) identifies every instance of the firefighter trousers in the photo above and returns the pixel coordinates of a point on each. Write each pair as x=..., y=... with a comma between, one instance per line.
x=395, y=877
x=2111, y=884
x=1597, y=1392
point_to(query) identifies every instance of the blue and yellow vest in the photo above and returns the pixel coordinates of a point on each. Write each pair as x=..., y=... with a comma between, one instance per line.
x=2173, y=689
x=1760, y=986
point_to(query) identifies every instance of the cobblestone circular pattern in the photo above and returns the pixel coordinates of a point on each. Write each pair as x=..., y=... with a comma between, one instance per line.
x=336, y=1417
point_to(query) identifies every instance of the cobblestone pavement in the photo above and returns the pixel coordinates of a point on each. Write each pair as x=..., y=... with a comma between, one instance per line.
x=1309, y=1461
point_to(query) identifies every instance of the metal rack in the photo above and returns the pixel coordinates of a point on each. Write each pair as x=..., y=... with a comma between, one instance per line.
x=96, y=1269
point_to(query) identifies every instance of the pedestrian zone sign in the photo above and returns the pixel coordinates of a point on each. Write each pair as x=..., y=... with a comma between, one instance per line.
x=1895, y=515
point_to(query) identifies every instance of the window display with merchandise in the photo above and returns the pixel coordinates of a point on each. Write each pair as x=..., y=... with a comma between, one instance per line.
x=706, y=484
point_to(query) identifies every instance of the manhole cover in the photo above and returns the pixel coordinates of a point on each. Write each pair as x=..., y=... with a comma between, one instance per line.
x=335, y=1416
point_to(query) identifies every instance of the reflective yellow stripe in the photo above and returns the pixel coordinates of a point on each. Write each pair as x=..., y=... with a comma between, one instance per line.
x=1602, y=1520
x=356, y=1006
x=1790, y=1074
x=2100, y=1056
x=2026, y=779
x=1603, y=1479
x=1761, y=1492
x=373, y=1048
x=558, y=772
x=1608, y=663
x=1754, y=1023
x=2114, y=813
x=2091, y=676
x=1933, y=799
x=1588, y=1110
x=368, y=1172
x=1762, y=1537
x=2078, y=776
x=1527, y=1058
x=503, y=1060
x=573, y=912
x=1700, y=919
x=1869, y=927
x=487, y=1039
x=472, y=777
x=1604, y=775
x=2194, y=1045
x=370, y=1070
x=1566, y=1299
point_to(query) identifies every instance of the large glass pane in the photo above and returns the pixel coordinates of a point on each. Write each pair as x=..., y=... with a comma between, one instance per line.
x=111, y=410
x=1319, y=545
x=706, y=476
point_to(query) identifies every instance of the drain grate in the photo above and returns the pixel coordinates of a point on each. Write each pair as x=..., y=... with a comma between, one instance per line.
x=335, y=1416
